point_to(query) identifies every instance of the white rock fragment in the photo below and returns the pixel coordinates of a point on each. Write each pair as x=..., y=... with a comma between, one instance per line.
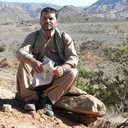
x=7, y=108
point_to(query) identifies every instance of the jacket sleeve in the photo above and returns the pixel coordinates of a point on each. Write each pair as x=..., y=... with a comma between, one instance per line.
x=25, y=49
x=70, y=51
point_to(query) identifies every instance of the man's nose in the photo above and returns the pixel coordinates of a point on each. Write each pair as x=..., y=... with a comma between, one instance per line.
x=47, y=20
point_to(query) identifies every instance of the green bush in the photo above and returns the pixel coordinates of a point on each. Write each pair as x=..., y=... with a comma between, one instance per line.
x=2, y=48
x=110, y=91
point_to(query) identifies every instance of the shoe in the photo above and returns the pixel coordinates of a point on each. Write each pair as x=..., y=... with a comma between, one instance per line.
x=49, y=111
x=30, y=105
x=46, y=104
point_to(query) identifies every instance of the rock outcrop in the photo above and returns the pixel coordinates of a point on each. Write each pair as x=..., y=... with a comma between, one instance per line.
x=81, y=102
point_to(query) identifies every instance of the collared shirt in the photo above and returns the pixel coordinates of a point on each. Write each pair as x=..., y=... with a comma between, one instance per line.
x=45, y=46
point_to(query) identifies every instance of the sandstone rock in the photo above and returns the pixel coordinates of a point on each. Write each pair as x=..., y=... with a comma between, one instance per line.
x=83, y=104
x=25, y=125
x=6, y=94
x=87, y=119
x=76, y=91
x=7, y=108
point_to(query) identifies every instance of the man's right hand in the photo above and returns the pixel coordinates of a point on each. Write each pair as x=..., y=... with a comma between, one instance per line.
x=35, y=64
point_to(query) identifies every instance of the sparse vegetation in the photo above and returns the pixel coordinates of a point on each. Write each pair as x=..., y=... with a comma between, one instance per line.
x=112, y=91
x=2, y=48
x=92, y=30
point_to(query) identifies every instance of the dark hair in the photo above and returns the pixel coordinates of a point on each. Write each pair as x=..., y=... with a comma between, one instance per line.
x=51, y=10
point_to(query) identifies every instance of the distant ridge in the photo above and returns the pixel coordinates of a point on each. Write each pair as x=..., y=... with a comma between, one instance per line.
x=70, y=10
x=33, y=9
x=108, y=9
x=15, y=11
x=71, y=13
x=107, y=2
x=13, y=15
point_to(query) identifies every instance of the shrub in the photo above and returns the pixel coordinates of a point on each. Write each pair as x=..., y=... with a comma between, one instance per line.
x=110, y=91
x=2, y=48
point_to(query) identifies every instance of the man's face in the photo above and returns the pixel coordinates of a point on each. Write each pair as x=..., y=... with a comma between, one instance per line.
x=48, y=21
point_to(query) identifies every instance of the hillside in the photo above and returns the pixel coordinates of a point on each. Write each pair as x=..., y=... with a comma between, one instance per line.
x=107, y=2
x=33, y=9
x=13, y=15
x=93, y=35
x=70, y=10
x=71, y=13
x=116, y=9
x=108, y=9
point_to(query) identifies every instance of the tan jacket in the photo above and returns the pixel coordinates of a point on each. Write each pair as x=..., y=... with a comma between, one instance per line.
x=46, y=47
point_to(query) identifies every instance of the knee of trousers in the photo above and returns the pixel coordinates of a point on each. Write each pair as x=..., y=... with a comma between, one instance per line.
x=72, y=73
x=24, y=66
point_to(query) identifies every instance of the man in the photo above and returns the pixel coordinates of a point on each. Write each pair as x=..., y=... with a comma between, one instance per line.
x=36, y=46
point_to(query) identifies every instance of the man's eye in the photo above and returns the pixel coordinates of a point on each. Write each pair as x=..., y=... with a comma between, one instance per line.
x=50, y=18
x=47, y=19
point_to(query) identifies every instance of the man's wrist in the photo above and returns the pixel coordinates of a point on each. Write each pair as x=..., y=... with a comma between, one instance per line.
x=64, y=69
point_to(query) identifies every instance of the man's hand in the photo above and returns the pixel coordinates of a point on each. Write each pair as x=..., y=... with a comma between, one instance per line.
x=58, y=71
x=36, y=66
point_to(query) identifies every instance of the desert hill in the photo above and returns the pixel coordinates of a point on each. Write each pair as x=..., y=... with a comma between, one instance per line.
x=13, y=15
x=107, y=2
x=108, y=9
x=71, y=13
x=33, y=9
x=116, y=9
x=70, y=10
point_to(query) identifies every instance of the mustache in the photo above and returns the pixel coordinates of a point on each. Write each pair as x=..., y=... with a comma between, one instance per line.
x=53, y=27
x=48, y=24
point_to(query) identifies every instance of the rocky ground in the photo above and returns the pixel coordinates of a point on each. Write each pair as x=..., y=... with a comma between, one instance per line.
x=93, y=35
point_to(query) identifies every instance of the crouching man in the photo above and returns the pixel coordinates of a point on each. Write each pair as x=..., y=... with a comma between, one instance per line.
x=59, y=48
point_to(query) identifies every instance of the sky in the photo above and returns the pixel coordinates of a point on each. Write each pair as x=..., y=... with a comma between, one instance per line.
x=58, y=2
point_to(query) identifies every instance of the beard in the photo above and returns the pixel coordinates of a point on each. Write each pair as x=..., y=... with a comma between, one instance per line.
x=48, y=27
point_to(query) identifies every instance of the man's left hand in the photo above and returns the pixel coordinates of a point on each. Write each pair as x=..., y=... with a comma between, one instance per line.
x=58, y=71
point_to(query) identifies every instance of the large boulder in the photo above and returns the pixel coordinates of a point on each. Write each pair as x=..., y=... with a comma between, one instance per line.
x=80, y=102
